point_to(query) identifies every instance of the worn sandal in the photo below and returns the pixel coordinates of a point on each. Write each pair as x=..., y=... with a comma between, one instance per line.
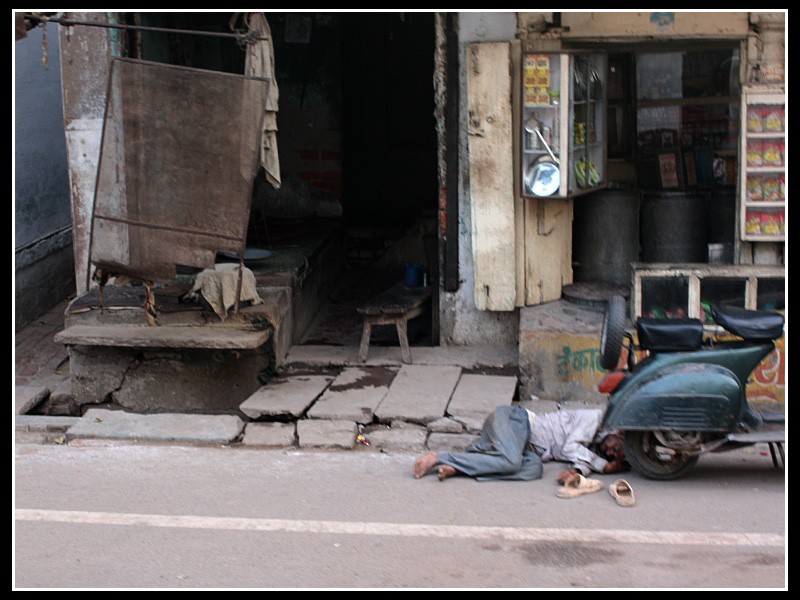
x=577, y=485
x=622, y=492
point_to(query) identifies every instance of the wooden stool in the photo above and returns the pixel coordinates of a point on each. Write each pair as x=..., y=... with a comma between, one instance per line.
x=394, y=306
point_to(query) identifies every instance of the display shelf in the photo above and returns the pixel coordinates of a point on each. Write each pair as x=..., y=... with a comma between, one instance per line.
x=763, y=173
x=563, y=136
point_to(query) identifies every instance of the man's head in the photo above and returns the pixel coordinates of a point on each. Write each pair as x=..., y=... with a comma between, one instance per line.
x=613, y=447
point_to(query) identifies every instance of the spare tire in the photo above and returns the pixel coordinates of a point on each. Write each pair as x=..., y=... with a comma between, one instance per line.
x=613, y=331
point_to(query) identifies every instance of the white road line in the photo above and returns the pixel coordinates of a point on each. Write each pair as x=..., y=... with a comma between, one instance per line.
x=685, y=538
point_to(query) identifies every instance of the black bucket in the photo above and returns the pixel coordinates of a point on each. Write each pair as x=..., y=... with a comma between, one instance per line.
x=605, y=237
x=673, y=227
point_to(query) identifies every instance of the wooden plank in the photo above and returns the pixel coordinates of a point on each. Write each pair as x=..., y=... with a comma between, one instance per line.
x=671, y=25
x=134, y=336
x=491, y=165
x=396, y=300
x=548, y=249
x=519, y=201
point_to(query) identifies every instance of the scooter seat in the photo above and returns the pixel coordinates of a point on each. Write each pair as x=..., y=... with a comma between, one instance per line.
x=749, y=324
x=669, y=335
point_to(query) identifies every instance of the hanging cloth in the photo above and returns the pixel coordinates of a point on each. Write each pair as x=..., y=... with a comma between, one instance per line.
x=260, y=62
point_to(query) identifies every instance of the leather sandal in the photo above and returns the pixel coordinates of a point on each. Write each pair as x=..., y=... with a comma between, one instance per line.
x=578, y=485
x=622, y=492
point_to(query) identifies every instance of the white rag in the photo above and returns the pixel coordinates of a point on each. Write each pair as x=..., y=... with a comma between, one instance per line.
x=260, y=62
x=218, y=287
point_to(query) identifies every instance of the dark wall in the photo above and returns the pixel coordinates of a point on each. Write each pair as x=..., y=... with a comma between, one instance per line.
x=43, y=271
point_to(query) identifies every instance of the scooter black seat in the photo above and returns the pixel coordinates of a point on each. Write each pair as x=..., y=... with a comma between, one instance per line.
x=747, y=323
x=669, y=335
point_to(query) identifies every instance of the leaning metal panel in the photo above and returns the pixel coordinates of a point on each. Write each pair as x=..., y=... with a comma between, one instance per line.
x=177, y=163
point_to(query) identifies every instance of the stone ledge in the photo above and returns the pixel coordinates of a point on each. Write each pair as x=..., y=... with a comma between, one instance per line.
x=131, y=336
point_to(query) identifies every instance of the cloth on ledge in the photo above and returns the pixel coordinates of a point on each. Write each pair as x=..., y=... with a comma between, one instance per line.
x=218, y=287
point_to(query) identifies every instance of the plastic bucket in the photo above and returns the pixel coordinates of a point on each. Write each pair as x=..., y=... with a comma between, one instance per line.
x=415, y=275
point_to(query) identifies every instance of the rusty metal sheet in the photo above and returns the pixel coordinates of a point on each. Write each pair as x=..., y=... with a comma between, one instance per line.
x=178, y=159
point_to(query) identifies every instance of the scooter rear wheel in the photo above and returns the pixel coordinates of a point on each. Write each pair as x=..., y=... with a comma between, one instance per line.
x=612, y=332
x=647, y=456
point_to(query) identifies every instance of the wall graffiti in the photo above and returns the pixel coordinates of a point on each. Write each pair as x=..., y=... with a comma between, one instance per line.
x=578, y=361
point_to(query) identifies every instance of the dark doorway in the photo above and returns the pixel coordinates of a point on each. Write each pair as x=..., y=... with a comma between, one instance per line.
x=389, y=177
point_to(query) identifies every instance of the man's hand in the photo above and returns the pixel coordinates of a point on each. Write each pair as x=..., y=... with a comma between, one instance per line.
x=614, y=466
x=564, y=475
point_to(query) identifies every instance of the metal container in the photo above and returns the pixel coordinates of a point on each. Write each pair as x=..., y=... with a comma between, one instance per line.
x=605, y=236
x=673, y=227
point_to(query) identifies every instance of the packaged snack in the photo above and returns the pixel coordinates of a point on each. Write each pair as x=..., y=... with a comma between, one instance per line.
x=752, y=225
x=771, y=189
x=774, y=119
x=769, y=224
x=782, y=179
x=771, y=153
x=755, y=156
x=755, y=190
x=755, y=119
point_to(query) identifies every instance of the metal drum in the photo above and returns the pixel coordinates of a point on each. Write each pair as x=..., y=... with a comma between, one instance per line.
x=605, y=236
x=673, y=227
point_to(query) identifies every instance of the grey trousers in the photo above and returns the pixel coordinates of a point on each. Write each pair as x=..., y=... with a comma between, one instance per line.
x=502, y=452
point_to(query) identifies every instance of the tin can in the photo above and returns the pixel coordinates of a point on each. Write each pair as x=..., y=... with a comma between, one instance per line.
x=547, y=134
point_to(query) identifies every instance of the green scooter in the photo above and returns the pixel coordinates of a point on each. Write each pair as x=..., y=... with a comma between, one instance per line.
x=687, y=396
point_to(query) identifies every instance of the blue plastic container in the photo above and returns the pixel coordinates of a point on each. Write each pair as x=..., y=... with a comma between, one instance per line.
x=415, y=275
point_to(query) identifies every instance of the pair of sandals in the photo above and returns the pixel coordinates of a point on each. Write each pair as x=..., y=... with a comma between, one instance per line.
x=578, y=485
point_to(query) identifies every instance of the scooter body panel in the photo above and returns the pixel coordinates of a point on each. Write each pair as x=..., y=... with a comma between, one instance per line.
x=684, y=397
x=702, y=390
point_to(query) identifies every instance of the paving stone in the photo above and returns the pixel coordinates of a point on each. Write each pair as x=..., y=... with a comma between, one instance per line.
x=323, y=433
x=419, y=393
x=404, y=437
x=269, y=435
x=471, y=424
x=26, y=397
x=354, y=394
x=290, y=395
x=445, y=425
x=479, y=395
x=166, y=427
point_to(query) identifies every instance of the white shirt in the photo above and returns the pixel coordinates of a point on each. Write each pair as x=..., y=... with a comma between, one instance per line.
x=566, y=435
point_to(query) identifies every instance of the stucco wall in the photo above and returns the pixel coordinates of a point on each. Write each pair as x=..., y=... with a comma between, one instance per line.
x=42, y=218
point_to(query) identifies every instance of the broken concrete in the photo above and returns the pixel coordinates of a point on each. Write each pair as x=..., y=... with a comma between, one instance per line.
x=398, y=437
x=479, y=395
x=313, y=433
x=354, y=394
x=28, y=397
x=285, y=396
x=269, y=435
x=419, y=394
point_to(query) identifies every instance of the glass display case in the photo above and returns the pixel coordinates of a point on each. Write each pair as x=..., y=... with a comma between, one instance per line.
x=763, y=172
x=563, y=123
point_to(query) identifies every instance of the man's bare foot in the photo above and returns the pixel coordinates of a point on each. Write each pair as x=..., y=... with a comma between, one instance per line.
x=446, y=471
x=425, y=463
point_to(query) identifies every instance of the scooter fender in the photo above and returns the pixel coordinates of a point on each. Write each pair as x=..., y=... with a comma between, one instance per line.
x=681, y=397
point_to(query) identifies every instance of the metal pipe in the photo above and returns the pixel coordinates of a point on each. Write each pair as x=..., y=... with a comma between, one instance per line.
x=63, y=21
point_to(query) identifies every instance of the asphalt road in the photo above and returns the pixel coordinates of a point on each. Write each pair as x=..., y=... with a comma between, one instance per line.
x=168, y=517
